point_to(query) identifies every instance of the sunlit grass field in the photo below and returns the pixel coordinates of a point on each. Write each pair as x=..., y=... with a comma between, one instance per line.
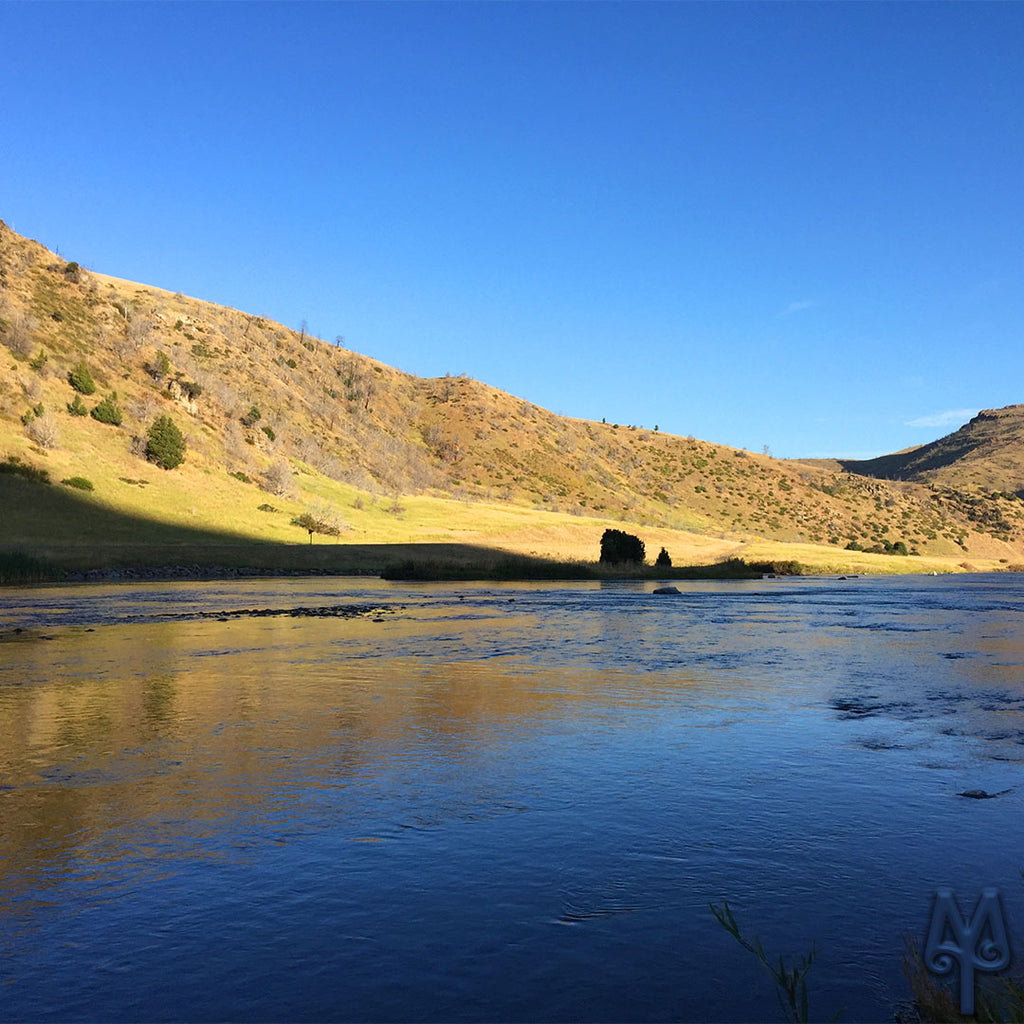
x=140, y=515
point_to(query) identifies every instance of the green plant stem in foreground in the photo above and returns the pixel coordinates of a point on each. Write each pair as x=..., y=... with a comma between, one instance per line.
x=997, y=1000
x=791, y=982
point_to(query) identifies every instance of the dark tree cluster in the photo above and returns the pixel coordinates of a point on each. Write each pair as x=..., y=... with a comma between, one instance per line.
x=618, y=547
x=886, y=547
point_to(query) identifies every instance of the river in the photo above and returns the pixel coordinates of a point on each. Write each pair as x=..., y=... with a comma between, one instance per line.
x=496, y=802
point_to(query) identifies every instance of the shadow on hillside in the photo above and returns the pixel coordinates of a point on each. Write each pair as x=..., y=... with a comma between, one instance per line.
x=59, y=528
x=907, y=465
x=47, y=531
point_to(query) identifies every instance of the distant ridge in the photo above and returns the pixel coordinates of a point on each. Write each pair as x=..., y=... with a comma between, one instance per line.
x=986, y=453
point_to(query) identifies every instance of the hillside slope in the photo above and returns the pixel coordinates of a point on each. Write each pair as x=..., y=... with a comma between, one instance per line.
x=274, y=418
x=986, y=454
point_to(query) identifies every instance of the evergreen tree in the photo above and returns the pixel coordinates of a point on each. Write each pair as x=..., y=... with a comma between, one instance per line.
x=166, y=446
x=81, y=379
x=108, y=411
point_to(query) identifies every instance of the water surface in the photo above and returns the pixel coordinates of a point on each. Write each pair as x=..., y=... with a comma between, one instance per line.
x=500, y=803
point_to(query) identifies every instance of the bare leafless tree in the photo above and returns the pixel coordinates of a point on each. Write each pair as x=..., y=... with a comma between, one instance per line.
x=19, y=334
x=137, y=330
x=44, y=431
x=31, y=388
x=279, y=479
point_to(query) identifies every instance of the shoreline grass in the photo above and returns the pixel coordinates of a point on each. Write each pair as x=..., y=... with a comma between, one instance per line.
x=399, y=563
x=513, y=568
x=18, y=568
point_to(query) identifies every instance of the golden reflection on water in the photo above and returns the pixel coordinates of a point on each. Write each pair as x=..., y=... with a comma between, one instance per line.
x=174, y=728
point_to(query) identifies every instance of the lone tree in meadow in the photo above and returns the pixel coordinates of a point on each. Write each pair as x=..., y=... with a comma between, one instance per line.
x=618, y=547
x=313, y=522
x=165, y=445
x=663, y=559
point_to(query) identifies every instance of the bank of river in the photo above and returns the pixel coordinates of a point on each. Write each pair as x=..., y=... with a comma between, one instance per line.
x=495, y=802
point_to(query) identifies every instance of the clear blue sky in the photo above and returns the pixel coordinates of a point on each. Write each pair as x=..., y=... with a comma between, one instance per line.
x=795, y=225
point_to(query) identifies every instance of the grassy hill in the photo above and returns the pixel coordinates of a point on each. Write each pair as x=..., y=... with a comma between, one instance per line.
x=984, y=456
x=278, y=423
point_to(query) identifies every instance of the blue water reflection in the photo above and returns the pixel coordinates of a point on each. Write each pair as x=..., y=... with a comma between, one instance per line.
x=496, y=802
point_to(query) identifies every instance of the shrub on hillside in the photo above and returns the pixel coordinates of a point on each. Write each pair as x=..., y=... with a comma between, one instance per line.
x=78, y=407
x=30, y=414
x=160, y=367
x=165, y=445
x=108, y=411
x=250, y=418
x=81, y=380
x=80, y=483
x=618, y=547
